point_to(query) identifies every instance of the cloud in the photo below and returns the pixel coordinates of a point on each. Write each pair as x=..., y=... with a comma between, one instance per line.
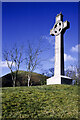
x=66, y=58
x=4, y=63
x=72, y=68
x=49, y=38
x=76, y=48
x=69, y=58
x=52, y=59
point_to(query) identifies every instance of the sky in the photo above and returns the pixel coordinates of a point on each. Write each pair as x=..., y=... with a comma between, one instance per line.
x=32, y=21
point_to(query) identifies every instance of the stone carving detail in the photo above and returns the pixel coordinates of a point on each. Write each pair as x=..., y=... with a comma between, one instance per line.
x=56, y=30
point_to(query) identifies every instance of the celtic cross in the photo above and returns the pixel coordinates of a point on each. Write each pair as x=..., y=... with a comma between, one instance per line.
x=58, y=30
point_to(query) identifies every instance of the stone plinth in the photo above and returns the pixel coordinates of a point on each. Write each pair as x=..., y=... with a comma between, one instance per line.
x=59, y=80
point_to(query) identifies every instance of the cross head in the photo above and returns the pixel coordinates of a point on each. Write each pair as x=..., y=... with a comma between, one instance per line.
x=59, y=26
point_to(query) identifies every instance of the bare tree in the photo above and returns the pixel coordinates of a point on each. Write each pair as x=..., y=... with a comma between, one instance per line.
x=18, y=59
x=8, y=56
x=74, y=73
x=32, y=60
x=78, y=75
x=13, y=58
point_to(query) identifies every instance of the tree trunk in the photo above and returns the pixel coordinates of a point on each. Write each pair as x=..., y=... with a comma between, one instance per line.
x=14, y=83
x=13, y=80
x=16, y=74
x=29, y=77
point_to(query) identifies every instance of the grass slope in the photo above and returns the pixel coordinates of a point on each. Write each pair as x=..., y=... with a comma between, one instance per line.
x=37, y=102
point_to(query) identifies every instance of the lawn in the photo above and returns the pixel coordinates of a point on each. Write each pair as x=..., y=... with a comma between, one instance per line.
x=37, y=102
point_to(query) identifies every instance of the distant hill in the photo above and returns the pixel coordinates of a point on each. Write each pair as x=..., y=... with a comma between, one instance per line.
x=36, y=79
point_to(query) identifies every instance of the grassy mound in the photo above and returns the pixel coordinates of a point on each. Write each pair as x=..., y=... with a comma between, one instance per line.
x=37, y=102
x=36, y=79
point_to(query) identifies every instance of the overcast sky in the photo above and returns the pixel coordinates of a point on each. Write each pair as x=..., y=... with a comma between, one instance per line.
x=23, y=22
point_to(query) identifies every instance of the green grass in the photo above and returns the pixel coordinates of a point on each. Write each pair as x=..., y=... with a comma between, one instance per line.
x=52, y=102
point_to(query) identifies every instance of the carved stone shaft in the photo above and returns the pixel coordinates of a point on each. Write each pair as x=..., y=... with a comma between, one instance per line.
x=58, y=30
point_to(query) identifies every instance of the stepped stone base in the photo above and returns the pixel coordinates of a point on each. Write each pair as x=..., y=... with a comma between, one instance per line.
x=59, y=80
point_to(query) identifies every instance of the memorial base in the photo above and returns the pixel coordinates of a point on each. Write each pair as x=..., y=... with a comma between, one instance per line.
x=59, y=80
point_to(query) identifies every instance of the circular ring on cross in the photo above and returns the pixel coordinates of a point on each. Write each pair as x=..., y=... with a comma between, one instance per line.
x=57, y=27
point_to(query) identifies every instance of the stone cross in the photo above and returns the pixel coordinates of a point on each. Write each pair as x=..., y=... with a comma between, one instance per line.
x=58, y=31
